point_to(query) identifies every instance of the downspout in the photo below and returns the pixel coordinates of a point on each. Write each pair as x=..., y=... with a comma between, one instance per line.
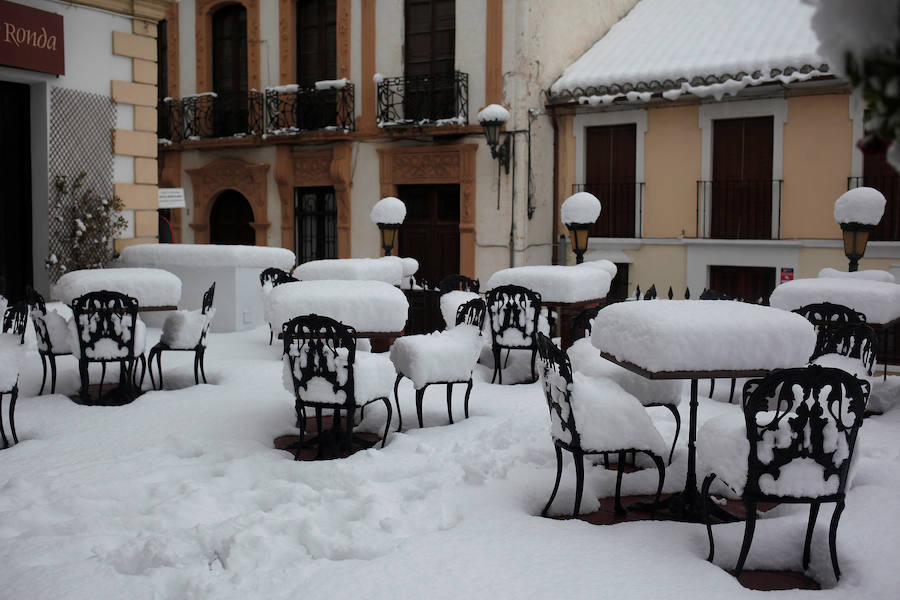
x=512, y=202
x=554, y=244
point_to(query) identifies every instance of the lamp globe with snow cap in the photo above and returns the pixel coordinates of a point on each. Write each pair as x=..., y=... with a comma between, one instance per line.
x=858, y=211
x=578, y=213
x=388, y=213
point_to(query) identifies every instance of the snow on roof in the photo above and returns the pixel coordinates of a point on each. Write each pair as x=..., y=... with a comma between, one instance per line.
x=209, y=255
x=702, y=47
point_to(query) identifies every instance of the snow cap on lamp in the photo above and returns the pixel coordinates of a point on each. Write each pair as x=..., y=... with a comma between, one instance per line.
x=389, y=211
x=582, y=207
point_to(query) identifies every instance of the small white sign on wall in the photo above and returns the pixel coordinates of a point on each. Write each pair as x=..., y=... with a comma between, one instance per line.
x=171, y=197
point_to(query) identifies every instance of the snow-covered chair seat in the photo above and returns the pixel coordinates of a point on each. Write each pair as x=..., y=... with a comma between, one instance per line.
x=443, y=357
x=185, y=331
x=450, y=303
x=324, y=371
x=594, y=416
x=11, y=354
x=270, y=278
x=53, y=333
x=106, y=328
x=794, y=444
x=513, y=313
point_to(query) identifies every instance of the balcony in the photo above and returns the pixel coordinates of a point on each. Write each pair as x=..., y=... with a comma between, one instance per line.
x=622, y=204
x=889, y=185
x=745, y=209
x=325, y=106
x=423, y=100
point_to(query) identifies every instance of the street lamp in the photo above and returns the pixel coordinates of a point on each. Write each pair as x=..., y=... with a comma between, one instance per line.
x=578, y=213
x=388, y=213
x=858, y=211
x=492, y=117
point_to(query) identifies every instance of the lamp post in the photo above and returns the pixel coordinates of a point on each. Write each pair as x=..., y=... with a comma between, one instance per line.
x=492, y=117
x=578, y=213
x=858, y=211
x=388, y=213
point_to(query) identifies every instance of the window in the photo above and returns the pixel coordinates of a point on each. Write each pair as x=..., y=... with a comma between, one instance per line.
x=229, y=29
x=747, y=283
x=429, y=60
x=879, y=174
x=315, y=223
x=162, y=81
x=316, y=41
x=610, y=176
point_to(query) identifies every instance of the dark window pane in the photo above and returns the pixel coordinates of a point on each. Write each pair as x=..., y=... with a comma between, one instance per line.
x=315, y=223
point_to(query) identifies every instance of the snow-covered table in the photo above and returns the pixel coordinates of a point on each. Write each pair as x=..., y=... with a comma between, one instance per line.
x=389, y=269
x=565, y=289
x=700, y=339
x=374, y=308
x=155, y=289
x=878, y=300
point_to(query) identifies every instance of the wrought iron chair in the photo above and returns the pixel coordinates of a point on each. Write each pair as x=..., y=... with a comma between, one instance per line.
x=827, y=314
x=513, y=313
x=578, y=438
x=185, y=331
x=108, y=330
x=458, y=282
x=11, y=350
x=799, y=423
x=459, y=348
x=51, y=330
x=852, y=341
x=273, y=277
x=15, y=320
x=650, y=393
x=320, y=355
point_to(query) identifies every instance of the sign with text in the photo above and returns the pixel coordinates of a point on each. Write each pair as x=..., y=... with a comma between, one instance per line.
x=31, y=39
x=171, y=197
x=787, y=274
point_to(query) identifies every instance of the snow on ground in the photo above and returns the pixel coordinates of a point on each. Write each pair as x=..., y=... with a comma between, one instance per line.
x=181, y=495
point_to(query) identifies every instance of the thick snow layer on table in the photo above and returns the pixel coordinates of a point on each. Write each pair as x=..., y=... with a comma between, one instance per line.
x=556, y=283
x=107, y=347
x=372, y=269
x=702, y=47
x=602, y=264
x=872, y=274
x=863, y=205
x=11, y=355
x=608, y=417
x=450, y=303
x=409, y=265
x=373, y=377
x=151, y=287
x=440, y=356
x=209, y=255
x=57, y=327
x=367, y=306
x=182, y=328
x=388, y=210
x=878, y=300
x=586, y=359
x=581, y=207
x=493, y=112
x=703, y=335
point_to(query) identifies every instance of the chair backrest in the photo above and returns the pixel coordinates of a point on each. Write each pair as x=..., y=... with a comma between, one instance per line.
x=556, y=378
x=321, y=352
x=583, y=322
x=802, y=425
x=856, y=340
x=513, y=312
x=275, y=276
x=34, y=300
x=38, y=310
x=827, y=314
x=106, y=323
x=714, y=295
x=472, y=313
x=15, y=320
x=208, y=296
x=455, y=282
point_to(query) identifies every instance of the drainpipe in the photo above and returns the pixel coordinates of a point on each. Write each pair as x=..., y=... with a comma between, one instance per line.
x=554, y=240
x=512, y=203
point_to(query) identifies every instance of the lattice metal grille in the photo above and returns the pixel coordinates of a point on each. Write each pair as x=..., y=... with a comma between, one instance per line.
x=80, y=141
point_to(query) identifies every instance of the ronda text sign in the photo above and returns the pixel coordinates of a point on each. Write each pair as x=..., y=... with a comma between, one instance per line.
x=31, y=39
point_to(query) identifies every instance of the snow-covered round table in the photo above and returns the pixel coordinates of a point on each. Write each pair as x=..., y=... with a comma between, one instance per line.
x=155, y=289
x=700, y=339
x=878, y=300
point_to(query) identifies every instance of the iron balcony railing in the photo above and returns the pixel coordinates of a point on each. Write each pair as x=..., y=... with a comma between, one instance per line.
x=889, y=227
x=742, y=209
x=211, y=115
x=420, y=100
x=623, y=205
x=296, y=108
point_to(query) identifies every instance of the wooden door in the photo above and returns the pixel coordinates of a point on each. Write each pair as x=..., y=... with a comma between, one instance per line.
x=430, y=233
x=229, y=220
x=316, y=41
x=229, y=29
x=429, y=50
x=15, y=206
x=741, y=189
x=610, y=175
x=747, y=283
x=879, y=174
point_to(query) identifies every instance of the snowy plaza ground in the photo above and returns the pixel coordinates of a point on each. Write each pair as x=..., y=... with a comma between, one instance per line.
x=181, y=494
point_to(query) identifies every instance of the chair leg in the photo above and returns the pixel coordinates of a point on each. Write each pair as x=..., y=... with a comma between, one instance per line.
x=497, y=373
x=579, y=481
x=661, y=467
x=271, y=334
x=420, y=396
x=397, y=402
x=731, y=394
x=202, y=352
x=712, y=386
x=387, y=425
x=196, y=369
x=83, y=375
x=52, y=360
x=12, y=413
x=749, y=527
x=143, y=361
x=2, y=429
x=677, y=415
x=620, y=468
x=468, y=391
x=558, y=477
x=832, y=537
x=43, y=372
x=533, y=359
x=704, y=494
x=450, y=402
x=810, y=527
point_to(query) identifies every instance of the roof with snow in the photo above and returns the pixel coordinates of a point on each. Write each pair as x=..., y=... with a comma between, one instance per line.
x=700, y=47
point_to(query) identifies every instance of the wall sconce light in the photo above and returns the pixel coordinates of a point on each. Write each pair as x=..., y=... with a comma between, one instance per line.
x=492, y=118
x=858, y=211
x=578, y=213
x=388, y=213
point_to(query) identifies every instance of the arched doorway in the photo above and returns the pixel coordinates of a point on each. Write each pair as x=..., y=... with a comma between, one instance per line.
x=230, y=219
